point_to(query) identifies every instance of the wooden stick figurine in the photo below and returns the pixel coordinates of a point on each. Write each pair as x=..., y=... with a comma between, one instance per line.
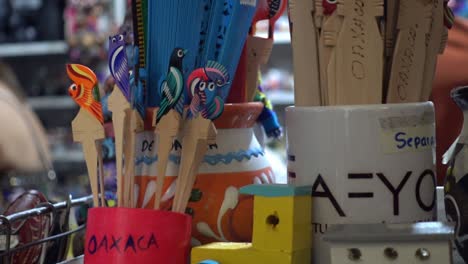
x=199, y=131
x=168, y=116
x=87, y=126
x=119, y=102
x=304, y=39
x=359, y=53
x=436, y=40
x=406, y=78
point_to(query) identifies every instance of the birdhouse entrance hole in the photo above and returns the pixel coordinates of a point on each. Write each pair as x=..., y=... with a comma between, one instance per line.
x=273, y=220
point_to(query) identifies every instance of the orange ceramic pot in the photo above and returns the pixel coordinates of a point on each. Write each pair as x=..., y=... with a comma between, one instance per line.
x=219, y=212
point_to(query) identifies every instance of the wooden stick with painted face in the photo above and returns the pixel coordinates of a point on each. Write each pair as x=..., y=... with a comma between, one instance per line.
x=168, y=116
x=119, y=104
x=199, y=131
x=87, y=126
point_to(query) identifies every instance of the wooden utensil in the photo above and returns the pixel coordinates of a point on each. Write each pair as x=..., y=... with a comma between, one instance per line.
x=119, y=106
x=101, y=175
x=318, y=14
x=435, y=44
x=304, y=40
x=198, y=134
x=406, y=78
x=391, y=17
x=205, y=105
x=89, y=131
x=359, y=53
x=167, y=130
x=88, y=127
x=134, y=126
x=331, y=26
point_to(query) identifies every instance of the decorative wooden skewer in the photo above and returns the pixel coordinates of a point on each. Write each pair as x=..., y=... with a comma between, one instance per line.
x=87, y=126
x=101, y=174
x=135, y=125
x=199, y=130
x=258, y=53
x=359, y=53
x=198, y=134
x=88, y=131
x=168, y=117
x=305, y=53
x=167, y=129
x=119, y=106
x=407, y=72
x=435, y=44
x=119, y=100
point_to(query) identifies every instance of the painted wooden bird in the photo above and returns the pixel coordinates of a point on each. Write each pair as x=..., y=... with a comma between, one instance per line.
x=85, y=89
x=203, y=84
x=172, y=87
x=118, y=63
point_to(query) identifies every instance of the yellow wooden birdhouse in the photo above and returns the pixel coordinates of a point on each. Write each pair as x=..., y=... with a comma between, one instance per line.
x=282, y=231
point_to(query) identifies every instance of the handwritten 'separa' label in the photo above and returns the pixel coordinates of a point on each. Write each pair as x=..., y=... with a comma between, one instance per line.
x=407, y=133
x=408, y=139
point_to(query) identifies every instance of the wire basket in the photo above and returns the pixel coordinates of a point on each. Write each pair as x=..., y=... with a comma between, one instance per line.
x=6, y=223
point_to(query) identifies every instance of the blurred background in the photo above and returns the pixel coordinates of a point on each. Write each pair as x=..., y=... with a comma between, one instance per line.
x=37, y=39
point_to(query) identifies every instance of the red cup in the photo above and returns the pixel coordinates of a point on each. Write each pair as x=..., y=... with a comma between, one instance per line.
x=124, y=235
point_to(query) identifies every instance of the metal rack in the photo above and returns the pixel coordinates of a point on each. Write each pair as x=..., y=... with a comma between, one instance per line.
x=42, y=209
